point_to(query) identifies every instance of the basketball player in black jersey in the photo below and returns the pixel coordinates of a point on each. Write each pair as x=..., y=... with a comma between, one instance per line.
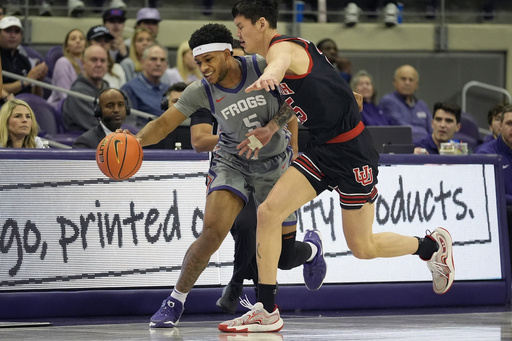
x=339, y=156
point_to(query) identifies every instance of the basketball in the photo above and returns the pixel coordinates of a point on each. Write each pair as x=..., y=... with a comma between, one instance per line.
x=119, y=156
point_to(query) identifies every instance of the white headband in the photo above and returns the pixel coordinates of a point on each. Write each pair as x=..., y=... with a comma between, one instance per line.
x=210, y=48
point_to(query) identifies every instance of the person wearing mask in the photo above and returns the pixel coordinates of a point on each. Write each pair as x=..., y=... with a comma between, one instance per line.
x=110, y=107
x=18, y=126
x=77, y=113
x=69, y=66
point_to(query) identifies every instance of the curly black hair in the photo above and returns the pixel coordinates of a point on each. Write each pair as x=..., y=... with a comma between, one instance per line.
x=210, y=33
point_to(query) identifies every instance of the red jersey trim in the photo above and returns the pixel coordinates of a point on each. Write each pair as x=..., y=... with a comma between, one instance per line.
x=349, y=135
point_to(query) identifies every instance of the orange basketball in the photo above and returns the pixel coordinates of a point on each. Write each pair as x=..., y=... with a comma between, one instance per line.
x=119, y=156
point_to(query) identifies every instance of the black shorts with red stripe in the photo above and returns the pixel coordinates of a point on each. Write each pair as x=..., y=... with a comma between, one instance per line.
x=350, y=168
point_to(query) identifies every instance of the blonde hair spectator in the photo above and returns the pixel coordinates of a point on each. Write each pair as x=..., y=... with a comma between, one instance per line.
x=14, y=133
x=132, y=65
x=136, y=53
x=185, y=63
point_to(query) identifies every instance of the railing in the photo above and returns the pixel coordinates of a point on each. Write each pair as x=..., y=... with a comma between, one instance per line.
x=69, y=92
x=484, y=86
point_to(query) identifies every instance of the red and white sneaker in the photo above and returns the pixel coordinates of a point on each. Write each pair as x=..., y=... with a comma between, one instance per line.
x=441, y=264
x=256, y=320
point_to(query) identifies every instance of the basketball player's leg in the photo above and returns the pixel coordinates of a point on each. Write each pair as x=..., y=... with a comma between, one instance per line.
x=222, y=207
x=358, y=231
x=289, y=193
x=435, y=247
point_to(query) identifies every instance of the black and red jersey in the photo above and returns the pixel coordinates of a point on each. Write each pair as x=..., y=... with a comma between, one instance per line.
x=321, y=98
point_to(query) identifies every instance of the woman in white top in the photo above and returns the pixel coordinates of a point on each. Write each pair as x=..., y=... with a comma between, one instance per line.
x=132, y=66
x=18, y=126
x=69, y=66
x=186, y=69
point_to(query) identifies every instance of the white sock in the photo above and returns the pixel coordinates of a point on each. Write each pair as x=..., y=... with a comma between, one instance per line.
x=314, y=250
x=179, y=296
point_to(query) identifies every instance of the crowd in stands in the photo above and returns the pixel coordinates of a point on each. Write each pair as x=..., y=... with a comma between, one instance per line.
x=139, y=67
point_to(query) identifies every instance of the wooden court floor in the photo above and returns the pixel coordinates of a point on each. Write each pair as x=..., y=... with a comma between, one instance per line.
x=464, y=324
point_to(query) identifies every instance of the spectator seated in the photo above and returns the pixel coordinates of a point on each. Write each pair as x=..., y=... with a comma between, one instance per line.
x=46, y=118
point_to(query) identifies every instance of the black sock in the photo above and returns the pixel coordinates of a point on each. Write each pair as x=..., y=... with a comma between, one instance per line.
x=267, y=295
x=426, y=248
x=293, y=253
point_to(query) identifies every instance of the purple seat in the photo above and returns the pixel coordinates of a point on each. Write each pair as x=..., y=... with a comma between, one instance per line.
x=52, y=56
x=468, y=131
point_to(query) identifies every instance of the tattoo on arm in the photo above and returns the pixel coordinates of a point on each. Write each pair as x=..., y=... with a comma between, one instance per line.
x=283, y=115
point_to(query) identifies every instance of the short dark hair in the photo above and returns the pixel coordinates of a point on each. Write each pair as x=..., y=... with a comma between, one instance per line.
x=448, y=107
x=255, y=9
x=506, y=108
x=326, y=40
x=210, y=33
x=178, y=87
x=495, y=111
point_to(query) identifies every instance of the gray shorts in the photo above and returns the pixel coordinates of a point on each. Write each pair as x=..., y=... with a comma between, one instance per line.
x=248, y=177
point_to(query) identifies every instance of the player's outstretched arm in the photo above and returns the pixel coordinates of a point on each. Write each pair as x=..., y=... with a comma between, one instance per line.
x=156, y=130
x=279, y=59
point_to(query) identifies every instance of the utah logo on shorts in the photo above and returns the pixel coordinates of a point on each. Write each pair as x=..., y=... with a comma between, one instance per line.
x=364, y=176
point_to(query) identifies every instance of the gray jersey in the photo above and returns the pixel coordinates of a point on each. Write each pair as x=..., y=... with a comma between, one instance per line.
x=236, y=111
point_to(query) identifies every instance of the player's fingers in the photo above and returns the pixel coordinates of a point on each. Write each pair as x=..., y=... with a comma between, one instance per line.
x=256, y=152
x=249, y=153
x=242, y=144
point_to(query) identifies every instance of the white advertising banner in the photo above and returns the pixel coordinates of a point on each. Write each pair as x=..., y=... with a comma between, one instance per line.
x=64, y=225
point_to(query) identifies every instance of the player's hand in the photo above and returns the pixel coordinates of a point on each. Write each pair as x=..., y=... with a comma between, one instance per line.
x=264, y=82
x=359, y=99
x=127, y=132
x=262, y=134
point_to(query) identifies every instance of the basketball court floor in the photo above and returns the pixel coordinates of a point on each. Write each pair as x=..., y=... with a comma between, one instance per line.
x=465, y=324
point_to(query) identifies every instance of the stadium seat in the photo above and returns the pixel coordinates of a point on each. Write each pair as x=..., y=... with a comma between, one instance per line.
x=468, y=131
x=52, y=56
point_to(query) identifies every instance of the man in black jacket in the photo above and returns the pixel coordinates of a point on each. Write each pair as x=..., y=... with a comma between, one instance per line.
x=111, y=108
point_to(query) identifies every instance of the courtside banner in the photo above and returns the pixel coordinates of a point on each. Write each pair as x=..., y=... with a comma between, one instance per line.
x=64, y=225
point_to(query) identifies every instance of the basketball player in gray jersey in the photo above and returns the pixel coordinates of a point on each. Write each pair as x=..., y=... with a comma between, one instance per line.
x=232, y=178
